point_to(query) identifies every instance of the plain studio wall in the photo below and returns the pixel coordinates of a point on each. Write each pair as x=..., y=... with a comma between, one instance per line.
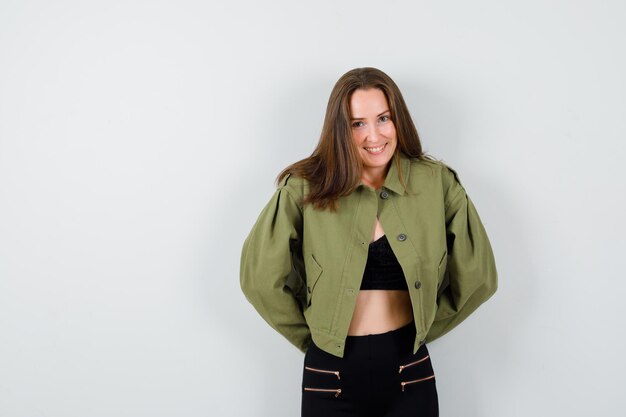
x=139, y=141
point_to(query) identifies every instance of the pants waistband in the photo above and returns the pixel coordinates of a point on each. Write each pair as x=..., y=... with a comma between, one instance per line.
x=399, y=341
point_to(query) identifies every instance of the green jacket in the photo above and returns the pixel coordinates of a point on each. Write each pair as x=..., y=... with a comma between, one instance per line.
x=301, y=268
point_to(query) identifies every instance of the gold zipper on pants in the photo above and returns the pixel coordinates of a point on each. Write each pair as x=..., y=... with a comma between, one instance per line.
x=336, y=391
x=403, y=383
x=412, y=363
x=323, y=371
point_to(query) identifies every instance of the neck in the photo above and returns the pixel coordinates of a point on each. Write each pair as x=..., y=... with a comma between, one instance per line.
x=374, y=178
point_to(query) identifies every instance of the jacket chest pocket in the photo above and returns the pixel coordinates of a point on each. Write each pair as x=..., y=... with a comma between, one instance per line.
x=313, y=273
x=442, y=274
x=295, y=280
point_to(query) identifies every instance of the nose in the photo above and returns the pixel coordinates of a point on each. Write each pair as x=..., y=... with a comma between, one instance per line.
x=373, y=133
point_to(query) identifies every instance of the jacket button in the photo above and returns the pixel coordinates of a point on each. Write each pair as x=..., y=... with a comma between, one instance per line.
x=401, y=237
x=384, y=195
x=418, y=284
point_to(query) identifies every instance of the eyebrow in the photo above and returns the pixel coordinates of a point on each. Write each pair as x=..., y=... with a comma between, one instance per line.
x=359, y=118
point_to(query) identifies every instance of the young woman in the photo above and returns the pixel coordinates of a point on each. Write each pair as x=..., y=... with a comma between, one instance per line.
x=367, y=250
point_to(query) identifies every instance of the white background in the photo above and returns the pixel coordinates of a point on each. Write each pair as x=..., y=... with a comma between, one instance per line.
x=139, y=140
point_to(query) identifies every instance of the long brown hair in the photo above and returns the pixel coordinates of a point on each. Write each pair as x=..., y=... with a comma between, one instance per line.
x=334, y=168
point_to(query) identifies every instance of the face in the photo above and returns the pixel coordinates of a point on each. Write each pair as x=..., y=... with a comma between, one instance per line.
x=373, y=131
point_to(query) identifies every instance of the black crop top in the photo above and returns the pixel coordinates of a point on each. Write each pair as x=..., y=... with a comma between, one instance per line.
x=382, y=270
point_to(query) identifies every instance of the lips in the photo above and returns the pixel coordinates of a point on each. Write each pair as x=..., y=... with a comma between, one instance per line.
x=375, y=150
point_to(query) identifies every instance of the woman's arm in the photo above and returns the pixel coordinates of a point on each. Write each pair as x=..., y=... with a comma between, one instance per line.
x=267, y=276
x=471, y=267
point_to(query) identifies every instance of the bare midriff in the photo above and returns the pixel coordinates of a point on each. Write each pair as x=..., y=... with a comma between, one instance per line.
x=379, y=311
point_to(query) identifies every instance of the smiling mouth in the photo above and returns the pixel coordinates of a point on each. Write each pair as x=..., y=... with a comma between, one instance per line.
x=377, y=150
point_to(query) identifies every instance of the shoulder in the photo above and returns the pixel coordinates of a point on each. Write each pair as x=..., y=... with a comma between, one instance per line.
x=435, y=168
x=296, y=186
x=434, y=174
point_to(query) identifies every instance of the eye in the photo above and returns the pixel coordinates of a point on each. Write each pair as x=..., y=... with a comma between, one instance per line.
x=357, y=124
x=384, y=118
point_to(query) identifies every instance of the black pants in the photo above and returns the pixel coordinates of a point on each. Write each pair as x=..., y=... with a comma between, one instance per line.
x=379, y=376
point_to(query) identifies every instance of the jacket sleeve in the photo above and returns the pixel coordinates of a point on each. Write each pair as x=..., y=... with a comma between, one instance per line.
x=268, y=277
x=471, y=276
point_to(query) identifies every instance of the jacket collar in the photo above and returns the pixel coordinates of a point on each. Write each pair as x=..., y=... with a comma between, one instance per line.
x=392, y=180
